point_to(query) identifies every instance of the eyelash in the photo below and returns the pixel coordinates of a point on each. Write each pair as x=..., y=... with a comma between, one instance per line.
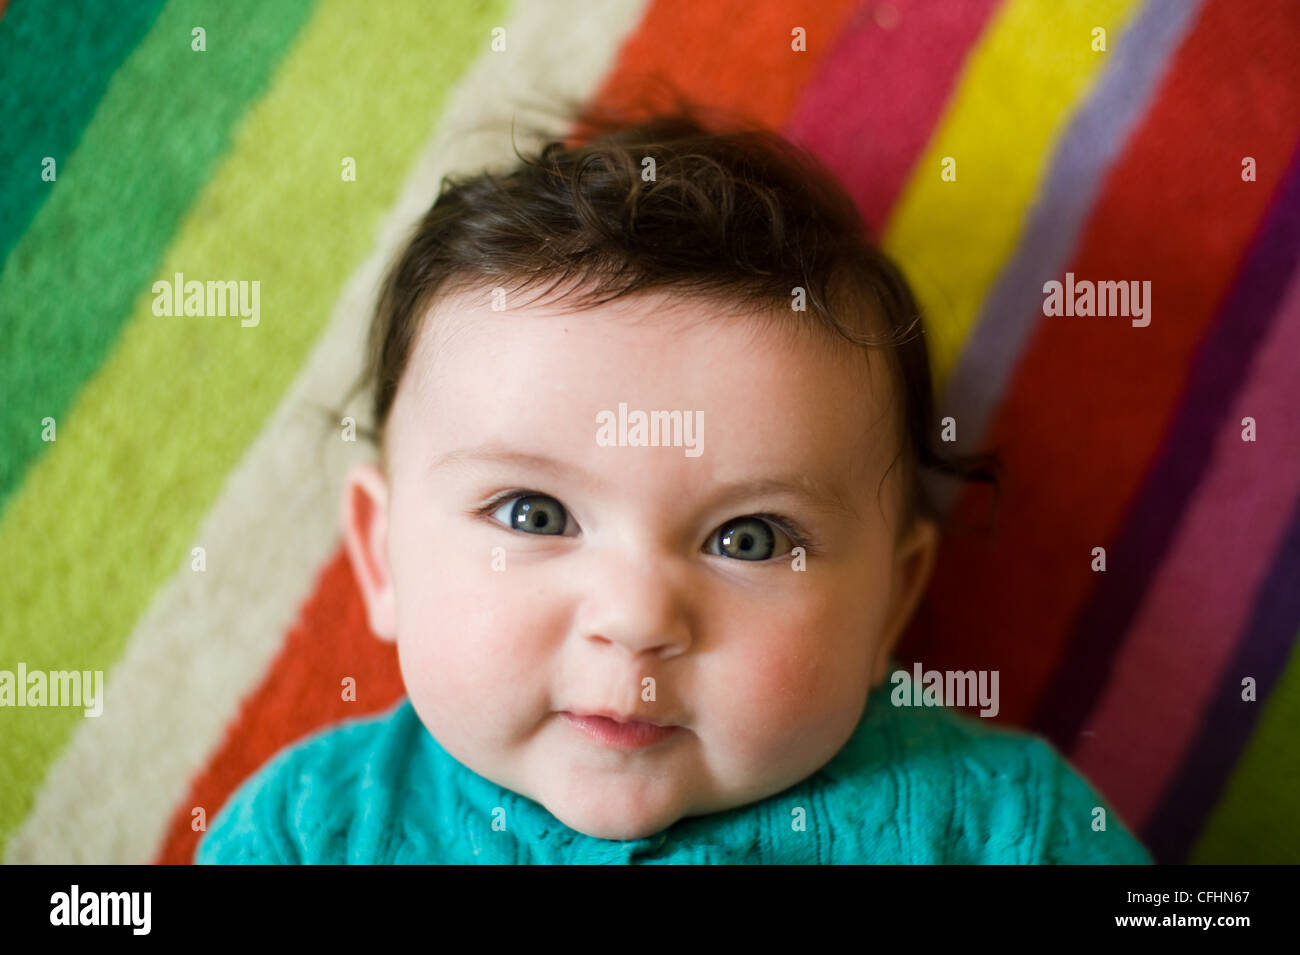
x=793, y=530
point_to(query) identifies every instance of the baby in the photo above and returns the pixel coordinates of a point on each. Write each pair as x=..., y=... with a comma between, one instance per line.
x=626, y=636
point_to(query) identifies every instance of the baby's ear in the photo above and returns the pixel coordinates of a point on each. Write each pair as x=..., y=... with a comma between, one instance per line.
x=365, y=533
x=914, y=561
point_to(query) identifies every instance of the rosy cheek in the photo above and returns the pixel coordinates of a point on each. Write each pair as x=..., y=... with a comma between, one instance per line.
x=798, y=679
x=764, y=697
x=475, y=641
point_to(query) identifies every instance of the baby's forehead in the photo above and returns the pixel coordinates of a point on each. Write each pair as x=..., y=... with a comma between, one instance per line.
x=761, y=388
x=659, y=325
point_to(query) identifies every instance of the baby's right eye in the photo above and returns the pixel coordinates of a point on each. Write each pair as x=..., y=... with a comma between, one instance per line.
x=533, y=514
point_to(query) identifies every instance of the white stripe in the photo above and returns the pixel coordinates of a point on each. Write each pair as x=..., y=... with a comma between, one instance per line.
x=209, y=638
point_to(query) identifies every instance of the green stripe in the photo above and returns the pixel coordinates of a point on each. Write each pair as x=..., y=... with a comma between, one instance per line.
x=57, y=60
x=162, y=126
x=111, y=511
x=1258, y=818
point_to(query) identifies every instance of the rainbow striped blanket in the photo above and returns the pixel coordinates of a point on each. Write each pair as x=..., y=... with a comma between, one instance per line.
x=169, y=487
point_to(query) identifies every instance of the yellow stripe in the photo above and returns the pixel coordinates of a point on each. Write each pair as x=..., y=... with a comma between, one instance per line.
x=110, y=512
x=1019, y=87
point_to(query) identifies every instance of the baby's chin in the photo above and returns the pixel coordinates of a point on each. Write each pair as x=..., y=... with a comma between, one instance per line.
x=631, y=808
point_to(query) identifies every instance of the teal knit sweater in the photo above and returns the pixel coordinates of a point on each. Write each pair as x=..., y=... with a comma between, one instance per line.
x=912, y=785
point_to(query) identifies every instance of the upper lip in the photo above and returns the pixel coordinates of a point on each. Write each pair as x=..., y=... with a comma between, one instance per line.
x=617, y=717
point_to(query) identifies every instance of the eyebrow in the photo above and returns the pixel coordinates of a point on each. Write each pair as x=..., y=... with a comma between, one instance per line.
x=807, y=488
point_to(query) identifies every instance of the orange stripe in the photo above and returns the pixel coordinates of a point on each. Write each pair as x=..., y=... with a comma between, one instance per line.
x=734, y=55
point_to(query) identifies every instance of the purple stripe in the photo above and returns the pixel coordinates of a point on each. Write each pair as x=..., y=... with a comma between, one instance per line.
x=1221, y=366
x=1227, y=722
x=1088, y=148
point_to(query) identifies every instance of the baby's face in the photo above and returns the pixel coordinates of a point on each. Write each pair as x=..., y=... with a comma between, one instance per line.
x=530, y=574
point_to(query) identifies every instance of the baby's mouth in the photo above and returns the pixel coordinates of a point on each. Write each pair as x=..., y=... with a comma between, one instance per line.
x=619, y=733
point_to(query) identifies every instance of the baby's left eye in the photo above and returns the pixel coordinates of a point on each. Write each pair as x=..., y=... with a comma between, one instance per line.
x=749, y=538
x=538, y=514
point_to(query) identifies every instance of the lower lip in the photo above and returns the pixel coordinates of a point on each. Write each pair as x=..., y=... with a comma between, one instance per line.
x=621, y=735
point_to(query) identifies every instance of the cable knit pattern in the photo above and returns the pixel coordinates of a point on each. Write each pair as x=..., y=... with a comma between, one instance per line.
x=912, y=785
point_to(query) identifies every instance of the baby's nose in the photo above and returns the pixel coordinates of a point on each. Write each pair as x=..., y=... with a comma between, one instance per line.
x=640, y=605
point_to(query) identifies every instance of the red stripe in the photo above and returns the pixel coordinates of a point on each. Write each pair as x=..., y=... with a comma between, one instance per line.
x=1092, y=398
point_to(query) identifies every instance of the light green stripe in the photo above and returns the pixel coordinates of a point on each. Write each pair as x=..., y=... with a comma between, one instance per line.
x=111, y=510
x=1257, y=820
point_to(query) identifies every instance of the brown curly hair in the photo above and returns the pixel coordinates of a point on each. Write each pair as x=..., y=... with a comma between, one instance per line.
x=733, y=213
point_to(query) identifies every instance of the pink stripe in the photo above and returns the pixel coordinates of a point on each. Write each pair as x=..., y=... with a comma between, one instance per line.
x=872, y=107
x=1198, y=606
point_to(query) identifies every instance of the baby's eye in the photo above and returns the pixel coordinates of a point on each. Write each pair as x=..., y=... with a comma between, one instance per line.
x=534, y=514
x=749, y=538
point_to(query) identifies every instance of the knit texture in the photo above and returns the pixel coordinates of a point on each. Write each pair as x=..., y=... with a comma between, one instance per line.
x=912, y=785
